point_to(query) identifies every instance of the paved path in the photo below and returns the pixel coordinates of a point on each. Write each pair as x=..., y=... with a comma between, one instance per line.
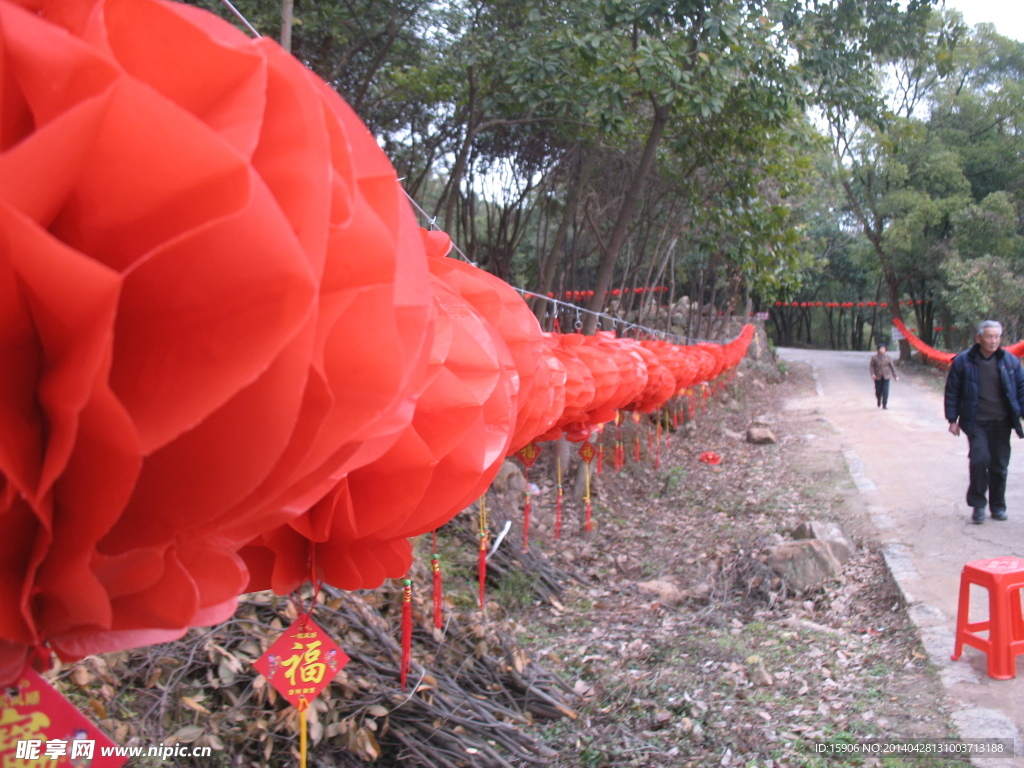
x=913, y=476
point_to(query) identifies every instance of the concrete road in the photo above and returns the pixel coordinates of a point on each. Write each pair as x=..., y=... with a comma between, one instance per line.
x=912, y=474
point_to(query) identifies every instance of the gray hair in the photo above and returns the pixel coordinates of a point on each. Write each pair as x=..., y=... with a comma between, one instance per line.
x=989, y=324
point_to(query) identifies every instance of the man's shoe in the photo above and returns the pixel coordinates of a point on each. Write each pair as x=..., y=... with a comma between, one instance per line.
x=998, y=514
x=979, y=516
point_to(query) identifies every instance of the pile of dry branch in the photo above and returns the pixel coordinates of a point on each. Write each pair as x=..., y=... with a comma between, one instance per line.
x=470, y=690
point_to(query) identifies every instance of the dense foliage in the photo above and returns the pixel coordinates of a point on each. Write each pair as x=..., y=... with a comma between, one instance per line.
x=735, y=153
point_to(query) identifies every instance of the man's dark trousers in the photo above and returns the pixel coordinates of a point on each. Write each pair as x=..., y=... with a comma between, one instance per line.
x=989, y=456
x=882, y=391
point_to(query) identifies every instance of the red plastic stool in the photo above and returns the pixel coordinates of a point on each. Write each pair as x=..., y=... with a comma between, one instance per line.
x=1003, y=577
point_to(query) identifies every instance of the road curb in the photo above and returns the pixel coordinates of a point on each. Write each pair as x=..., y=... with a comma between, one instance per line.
x=933, y=629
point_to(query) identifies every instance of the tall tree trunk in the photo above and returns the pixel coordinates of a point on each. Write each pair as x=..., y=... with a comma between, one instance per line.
x=892, y=285
x=287, y=11
x=696, y=302
x=572, y=204
x=606, y=267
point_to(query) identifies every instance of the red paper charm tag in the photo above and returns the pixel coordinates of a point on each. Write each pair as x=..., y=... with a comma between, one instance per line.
x=40, y=727
x=528, y=454
x=587, y=451
x=302, y=661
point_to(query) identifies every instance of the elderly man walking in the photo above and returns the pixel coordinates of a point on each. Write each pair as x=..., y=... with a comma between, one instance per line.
x=984, y=396
x=882, y=369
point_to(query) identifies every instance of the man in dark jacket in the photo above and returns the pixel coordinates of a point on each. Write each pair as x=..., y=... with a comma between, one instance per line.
x=984, y=397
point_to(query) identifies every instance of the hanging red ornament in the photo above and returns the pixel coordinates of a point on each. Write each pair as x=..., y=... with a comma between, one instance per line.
x=558, y=494
x=403, y=676
x=527, y=455
x=300, y=664
x=587, y=452
x=619, y=455
x=302, y=661
x=527, y=510
x=39, y=727
x=481, y=555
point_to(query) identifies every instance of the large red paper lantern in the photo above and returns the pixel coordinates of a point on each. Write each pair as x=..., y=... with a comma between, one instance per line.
x=718, y=361
x=501, y=305
x=579, y=383
x=577, y=424
x=676, y=358
x=661, y=384
x=355, y=537
x=632, y=368
x=214, y=303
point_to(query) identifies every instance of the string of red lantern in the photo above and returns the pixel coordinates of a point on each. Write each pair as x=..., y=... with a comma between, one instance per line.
x=581, y=295
x=264, y=364
x=846, y=304
x=937, y=357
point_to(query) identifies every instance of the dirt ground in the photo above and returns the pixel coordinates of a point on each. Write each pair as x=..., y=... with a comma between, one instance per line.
x=718, y=663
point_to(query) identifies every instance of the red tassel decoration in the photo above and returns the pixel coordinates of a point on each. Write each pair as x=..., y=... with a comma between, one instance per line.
x=619, y=460
x=587, y=453
x=406, y=630
x=558, y=496
x=481, y=568
x=526, y=521
x=481, y=555
x=636, y=448
x=303, y=730
x=528, y=455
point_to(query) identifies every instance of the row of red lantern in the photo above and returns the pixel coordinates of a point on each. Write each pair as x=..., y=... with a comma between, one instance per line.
x=845, y=304
x=567, y=385
x=580, y=295
x=938, y=357
x=232, y=359
x=932, y=355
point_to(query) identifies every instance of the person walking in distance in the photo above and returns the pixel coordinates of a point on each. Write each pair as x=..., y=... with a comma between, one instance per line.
x=984, y=395
x=882, y=370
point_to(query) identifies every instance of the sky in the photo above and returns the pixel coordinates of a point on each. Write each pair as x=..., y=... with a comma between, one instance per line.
x=1007, y=15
